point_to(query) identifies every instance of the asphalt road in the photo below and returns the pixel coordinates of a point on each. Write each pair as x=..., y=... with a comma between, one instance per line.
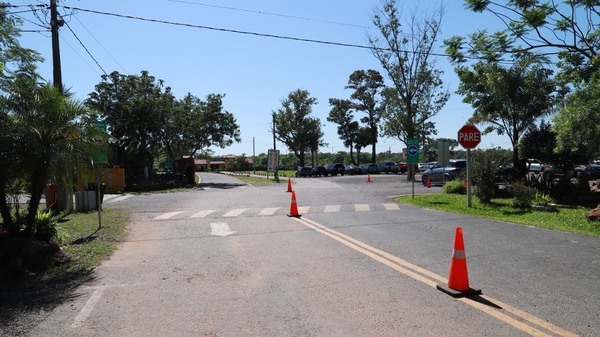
x=226, y=260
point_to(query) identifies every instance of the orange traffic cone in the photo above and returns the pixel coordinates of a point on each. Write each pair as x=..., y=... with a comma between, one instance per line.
x=290, y=185
x=458, y=279
x=428, y=182
x=294, y=207
x=369, y=178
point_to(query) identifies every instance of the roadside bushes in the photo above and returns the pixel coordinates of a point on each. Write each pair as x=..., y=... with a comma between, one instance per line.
x=454, y=187
x=484, y=167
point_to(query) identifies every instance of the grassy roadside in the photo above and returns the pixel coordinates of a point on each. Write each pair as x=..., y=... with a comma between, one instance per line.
x=572, y=220
x=85, y=243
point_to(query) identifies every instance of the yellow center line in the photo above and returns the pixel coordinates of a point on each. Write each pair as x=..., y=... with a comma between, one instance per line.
x=431, y=279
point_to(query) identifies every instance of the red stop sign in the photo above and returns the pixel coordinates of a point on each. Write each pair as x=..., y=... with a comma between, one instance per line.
x=469, y=136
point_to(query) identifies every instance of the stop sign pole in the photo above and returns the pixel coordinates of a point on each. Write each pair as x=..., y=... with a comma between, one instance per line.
x=469, y=137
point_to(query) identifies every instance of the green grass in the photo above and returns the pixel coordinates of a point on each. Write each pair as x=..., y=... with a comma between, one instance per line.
x=259, y=181
x=85, y=243
x=565, y=219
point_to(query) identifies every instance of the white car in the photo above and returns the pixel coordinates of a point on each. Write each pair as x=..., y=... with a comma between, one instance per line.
x=422, y=167
x=534, y=165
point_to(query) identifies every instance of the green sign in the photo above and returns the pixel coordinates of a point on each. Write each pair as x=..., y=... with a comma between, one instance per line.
x=99, y=147
x=412, y=153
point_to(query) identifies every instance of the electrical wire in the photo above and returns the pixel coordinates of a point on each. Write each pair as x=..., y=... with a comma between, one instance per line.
x=86, y=50
x=271, y=14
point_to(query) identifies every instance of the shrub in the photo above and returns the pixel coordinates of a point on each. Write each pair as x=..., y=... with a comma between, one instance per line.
x=454, y=187
x=522, y=195
x=485, y=164
x=542, y=199
x=45, y=226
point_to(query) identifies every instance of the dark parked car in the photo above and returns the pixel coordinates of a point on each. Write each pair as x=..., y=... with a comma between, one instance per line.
x=319, y=171
x=336, y=168
x=303, y=172
x=388, y=166
x=438, y=174
x=353, y=169
x=370, y=168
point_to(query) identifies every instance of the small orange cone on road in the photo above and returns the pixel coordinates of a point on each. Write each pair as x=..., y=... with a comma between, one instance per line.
x=289, y=185
x=428, y=182
x=294, y=207
x=458, y=279
x=369, y=178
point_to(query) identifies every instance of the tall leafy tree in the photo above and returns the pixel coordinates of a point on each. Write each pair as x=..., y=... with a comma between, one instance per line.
x=134, y=107
x=363, y=140
x=295, y=127
x=342, y=114
x=405, y=49
x=54, y=136
x=367, y=86
x=509, y=100
x=568, y=29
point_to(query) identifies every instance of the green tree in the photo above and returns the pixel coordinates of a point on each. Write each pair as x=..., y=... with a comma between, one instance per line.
x=367, y=86
x=408, y=59
x=134, y=108
x=577, y=125
x=363, y=140
x=568, y=29
x=539, y=142
x=54, y=136
x=341, y=114
x=193, y=125
x=294, y=126
x=509, y=100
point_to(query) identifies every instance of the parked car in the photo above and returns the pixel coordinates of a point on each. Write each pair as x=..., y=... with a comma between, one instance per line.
x=319, y=171
x=534, y=165
x=353, y=169
x=388, y=166
x=403, y=167
x=439, y=174
x=422, y=167
x=370, y=168
x=336, y=168
x=303, y=172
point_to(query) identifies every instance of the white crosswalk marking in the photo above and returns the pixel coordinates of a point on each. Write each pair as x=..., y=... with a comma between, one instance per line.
x=362, y=207
x=391, y=207
x=117, y=199
x=203, y=213
x=235, y=212
x=167, y=216
x=271, y=211
x=303, y=209
x=268, y=211
x=331, y=209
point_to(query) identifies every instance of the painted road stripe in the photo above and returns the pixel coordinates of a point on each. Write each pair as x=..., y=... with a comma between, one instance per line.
x=362, y=207
x=220, y=229
x=87, y=308
x=304, y=209
x=121, y=198
x=167, y=216
x=331, y=209
x=268, y=211
x=203, y=213
x=391, y=207
x=234, y=212
x=431, y=279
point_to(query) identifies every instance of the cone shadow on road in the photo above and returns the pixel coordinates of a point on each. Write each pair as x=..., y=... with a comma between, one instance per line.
x=484, y=301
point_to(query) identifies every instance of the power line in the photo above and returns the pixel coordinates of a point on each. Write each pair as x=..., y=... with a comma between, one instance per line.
x=271, y=14
x=86, y=50
x=341, y=44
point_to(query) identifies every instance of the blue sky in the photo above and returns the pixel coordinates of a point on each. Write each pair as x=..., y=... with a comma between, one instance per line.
x=255, y=73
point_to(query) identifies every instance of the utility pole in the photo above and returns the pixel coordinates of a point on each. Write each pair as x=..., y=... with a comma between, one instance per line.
x=55, y=24
x=275, y=150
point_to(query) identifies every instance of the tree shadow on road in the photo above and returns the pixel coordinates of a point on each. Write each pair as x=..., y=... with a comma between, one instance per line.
x=223, y=186
x=23, y=304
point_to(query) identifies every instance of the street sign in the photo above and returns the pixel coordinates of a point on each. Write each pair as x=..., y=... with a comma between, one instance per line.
x=413, y=151
x=469, y=136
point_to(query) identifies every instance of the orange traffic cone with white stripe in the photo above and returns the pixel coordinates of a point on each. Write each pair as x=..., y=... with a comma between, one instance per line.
x=290, y=185
x=369, y=178
x=458, y=279
x=294, y=207
x=428, y=182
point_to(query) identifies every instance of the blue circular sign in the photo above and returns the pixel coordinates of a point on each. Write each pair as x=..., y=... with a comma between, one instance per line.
x=413, y=150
